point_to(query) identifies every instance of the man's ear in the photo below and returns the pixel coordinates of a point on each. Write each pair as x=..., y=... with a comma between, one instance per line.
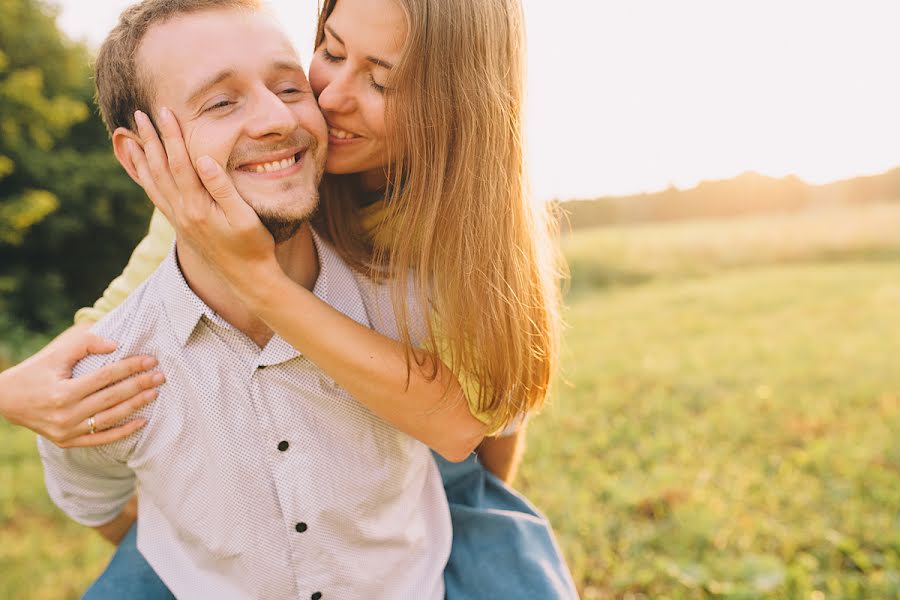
x=120, y=139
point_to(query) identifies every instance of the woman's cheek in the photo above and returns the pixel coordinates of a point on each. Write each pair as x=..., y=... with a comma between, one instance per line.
x=317, y=76
x=377, y=120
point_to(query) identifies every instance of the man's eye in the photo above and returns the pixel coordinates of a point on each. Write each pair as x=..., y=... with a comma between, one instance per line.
x=218, y=105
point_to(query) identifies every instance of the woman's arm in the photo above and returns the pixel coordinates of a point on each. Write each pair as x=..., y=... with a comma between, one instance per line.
x=39, y=393
x=228, y=234
x=370, y=366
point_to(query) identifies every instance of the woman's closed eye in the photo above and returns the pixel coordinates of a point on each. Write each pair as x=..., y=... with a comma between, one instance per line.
x=376, y=86
x=331, y=57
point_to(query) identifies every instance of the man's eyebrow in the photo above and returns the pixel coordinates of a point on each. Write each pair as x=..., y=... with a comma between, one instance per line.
x=210, y=83
x=372, y=59
x=287, y=65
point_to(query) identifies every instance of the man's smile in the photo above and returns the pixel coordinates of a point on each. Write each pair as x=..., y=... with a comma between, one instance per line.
x=280, y=164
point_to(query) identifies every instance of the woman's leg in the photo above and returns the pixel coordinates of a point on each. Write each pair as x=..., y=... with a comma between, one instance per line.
x=503, y=547
x=128, y=575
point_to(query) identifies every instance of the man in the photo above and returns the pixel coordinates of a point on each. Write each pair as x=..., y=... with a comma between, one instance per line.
x=256, y=476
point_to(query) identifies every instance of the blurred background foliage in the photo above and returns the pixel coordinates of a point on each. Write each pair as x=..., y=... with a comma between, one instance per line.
x=69, y=215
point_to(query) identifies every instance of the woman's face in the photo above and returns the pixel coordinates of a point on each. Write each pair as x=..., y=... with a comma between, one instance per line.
x=348, y=73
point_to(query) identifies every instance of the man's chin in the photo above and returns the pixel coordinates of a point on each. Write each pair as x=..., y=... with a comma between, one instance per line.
x=282, y=228
x=284, y=216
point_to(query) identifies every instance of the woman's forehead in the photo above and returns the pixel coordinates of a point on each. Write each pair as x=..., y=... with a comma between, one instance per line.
x=372, y=27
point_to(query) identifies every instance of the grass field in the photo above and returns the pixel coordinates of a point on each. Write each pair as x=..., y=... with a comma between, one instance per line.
x=728, y=424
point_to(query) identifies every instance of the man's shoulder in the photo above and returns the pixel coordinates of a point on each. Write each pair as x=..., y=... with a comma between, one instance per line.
x=135, y=326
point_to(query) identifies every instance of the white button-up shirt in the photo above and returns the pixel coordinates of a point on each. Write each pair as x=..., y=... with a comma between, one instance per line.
x=257, y=476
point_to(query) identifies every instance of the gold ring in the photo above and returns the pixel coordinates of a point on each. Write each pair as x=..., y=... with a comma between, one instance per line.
x=92, y=423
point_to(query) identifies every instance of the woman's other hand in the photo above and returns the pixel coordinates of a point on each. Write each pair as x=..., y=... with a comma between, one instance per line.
x=203, y=206
x=41, y=395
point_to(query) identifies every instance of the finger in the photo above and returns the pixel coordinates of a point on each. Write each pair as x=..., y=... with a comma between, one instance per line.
x=108, y=419
x=179, y=162
x=157, y=161
x=105, y=437
x=82, y=387
x=123, y=392
x=159, y=200
x=87, y=343
x=223, y=192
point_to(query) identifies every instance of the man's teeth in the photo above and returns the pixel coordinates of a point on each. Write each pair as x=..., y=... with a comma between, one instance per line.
x=271, y=167
x=341, y=134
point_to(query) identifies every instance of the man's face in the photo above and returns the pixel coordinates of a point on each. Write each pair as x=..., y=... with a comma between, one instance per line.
x=234, y=82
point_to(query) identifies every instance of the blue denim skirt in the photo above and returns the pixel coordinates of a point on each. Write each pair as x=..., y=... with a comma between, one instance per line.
x=502, y=548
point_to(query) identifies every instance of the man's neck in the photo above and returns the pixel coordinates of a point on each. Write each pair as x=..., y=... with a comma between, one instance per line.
x=297, y=257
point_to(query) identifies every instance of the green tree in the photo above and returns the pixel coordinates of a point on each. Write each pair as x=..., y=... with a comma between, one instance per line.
x=68, y=213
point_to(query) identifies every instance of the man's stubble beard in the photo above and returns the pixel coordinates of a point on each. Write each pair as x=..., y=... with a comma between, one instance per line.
x=284, y=227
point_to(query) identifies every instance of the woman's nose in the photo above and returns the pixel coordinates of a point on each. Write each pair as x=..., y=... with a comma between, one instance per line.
x=338, y=96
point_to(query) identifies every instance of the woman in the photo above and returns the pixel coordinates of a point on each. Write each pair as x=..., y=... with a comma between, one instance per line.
x=424, y=103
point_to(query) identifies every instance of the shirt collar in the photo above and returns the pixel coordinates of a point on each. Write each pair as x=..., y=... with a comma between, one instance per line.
x=183, y=307
x=336, y=285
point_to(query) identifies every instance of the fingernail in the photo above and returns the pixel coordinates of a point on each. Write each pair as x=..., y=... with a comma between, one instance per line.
x=139, y=117
x=150, y=395
x=149, y=363
x=165, y=113
x=159, y=379
x=206, y=166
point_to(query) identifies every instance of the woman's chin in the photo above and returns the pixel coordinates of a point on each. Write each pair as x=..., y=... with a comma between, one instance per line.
x=341, y=167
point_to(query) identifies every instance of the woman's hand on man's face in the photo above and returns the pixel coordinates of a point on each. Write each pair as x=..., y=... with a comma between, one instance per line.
x=40, y=394
x=201, y=203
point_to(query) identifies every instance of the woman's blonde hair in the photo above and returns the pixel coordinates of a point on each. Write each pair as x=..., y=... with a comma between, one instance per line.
x=482, y=254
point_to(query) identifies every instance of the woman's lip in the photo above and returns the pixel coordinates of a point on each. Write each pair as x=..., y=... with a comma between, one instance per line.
x=333, y=141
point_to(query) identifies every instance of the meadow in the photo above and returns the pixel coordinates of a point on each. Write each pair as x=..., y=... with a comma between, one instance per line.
x=727, y=423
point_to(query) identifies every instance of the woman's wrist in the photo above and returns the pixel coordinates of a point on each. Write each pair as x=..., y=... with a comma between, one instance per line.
x=261, y=287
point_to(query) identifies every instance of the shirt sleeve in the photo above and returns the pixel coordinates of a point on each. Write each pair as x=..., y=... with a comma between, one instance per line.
x=148, y=255
x=86, y=484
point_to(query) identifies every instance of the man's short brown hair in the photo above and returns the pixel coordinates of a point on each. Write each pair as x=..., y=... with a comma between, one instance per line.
x=122, y=87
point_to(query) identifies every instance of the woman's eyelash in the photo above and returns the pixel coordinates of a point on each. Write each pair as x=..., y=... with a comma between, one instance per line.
x=336, y=59
x=331, y=57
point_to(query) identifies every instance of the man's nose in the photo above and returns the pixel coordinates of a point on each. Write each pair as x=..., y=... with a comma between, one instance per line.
x=339, y=95
x=270, y=116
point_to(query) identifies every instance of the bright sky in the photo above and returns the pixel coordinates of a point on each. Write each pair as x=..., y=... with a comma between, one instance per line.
x=634, y=95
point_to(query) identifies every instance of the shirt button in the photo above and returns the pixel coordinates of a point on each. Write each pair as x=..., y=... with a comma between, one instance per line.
x=301, y=527
x=283, y=445
x=316, y=596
